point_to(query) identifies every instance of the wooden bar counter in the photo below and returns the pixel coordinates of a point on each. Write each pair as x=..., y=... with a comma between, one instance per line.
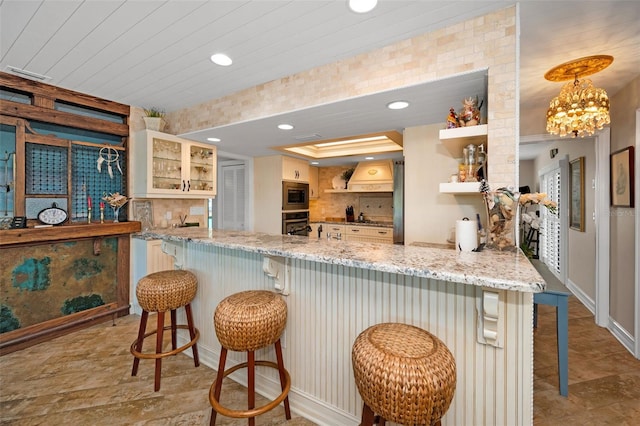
x=59, y=279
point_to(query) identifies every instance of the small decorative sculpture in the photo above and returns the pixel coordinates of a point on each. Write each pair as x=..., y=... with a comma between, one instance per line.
x=470, y=113
x=452, y=119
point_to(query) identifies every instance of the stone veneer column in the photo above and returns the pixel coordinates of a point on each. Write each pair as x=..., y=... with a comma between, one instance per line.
x=487, y=42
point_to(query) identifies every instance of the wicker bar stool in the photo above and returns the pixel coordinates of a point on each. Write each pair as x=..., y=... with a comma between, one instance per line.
x=404, y=375
x=161, y=292
x=245, y=322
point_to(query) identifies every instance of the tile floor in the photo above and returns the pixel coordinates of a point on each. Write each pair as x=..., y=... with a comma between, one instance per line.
x=604, y=378
x=85, y=379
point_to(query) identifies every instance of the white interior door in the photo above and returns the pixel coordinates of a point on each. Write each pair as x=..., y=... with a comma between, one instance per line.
x=232, y=197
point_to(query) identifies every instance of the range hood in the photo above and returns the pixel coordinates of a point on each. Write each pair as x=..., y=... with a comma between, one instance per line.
x=372, y=176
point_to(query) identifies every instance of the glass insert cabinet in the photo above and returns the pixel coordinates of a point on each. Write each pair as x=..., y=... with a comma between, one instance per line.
x=167, y=166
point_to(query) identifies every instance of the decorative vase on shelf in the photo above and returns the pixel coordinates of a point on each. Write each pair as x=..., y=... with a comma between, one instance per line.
x=502, y=215
x=116, y=214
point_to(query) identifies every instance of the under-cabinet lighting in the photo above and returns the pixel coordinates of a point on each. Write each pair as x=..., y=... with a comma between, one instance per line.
x=213, y=139
x=285, y=126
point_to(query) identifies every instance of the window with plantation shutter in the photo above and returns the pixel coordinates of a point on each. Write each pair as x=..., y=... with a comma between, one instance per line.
x=550, y=232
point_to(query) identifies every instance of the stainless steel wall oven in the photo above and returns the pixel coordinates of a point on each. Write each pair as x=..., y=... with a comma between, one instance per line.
x=295, y=223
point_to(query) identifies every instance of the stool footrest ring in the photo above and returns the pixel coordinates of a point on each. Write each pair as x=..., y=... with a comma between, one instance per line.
x=244, y=414
x=154, y=355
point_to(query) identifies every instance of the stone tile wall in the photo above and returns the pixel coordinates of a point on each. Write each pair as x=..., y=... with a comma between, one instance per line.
x=487, y=42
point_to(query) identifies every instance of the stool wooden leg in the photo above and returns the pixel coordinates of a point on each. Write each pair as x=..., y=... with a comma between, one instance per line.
x=287, y=410
x=251, y=383
x=174, y=330
x=192, y=333
x=368, y=417
x=159, y=332
x=219, y=377
x=141, y=330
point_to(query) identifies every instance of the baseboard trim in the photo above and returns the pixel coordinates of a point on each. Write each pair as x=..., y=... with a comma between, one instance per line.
x=583, y=297
x=623, y=336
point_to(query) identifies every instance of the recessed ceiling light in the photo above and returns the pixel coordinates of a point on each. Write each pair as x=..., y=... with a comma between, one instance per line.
x=285, y=126
x=368, y=158
x=221, y=59
x=213, y=139
x=362, y=6
x=315, y=163
x=398, y=105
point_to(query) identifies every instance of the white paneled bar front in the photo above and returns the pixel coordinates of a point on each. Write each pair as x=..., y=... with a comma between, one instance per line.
x=329, y=305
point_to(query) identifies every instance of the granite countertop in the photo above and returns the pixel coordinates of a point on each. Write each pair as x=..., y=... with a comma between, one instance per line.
x=367, y=223
x=489, y=268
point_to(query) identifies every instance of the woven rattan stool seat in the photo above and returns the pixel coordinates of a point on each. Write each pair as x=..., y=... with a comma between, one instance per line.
x=246, y=322
x=161, y=292
x=250, y=320
x=166, y=290
x=404, y=373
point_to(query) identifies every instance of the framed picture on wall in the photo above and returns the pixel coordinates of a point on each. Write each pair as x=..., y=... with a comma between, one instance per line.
x=622, y=175
x=576, y=194
x=143, y=212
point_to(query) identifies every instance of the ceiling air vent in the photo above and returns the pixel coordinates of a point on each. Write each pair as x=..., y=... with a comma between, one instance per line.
x=307, y=138
x=27, y=74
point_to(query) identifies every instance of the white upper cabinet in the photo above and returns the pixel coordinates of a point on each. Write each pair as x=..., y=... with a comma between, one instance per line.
x=295, y=169
x=166, y=166
x=313, y=183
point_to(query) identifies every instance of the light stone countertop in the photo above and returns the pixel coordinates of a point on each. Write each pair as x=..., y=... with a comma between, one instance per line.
x=489, y=268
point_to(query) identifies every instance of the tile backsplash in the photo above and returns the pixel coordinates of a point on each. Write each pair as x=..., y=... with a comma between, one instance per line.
x=375, y=206
x=177, y=208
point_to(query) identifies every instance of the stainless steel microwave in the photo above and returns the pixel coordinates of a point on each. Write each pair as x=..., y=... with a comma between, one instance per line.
x=295, y=196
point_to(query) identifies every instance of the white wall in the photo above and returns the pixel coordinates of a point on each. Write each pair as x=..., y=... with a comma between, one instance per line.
x=623, y=231
x=429, y=215
x=528, y=175
x=581, y=252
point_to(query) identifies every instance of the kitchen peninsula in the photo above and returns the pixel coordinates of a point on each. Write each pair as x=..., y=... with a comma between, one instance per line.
x=479, y=304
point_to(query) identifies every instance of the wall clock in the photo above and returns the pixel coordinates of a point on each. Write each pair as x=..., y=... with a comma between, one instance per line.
x=53, y=215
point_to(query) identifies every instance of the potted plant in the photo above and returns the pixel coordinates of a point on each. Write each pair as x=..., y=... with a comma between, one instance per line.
x=346, y=175
x=154, y=119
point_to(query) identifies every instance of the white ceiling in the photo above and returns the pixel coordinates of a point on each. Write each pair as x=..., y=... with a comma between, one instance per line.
x=156, y=53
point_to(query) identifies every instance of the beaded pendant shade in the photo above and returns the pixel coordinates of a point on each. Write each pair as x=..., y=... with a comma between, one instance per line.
x=580, y=108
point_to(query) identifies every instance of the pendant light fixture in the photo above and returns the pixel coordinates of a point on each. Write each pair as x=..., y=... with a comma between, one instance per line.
x=580, y=108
